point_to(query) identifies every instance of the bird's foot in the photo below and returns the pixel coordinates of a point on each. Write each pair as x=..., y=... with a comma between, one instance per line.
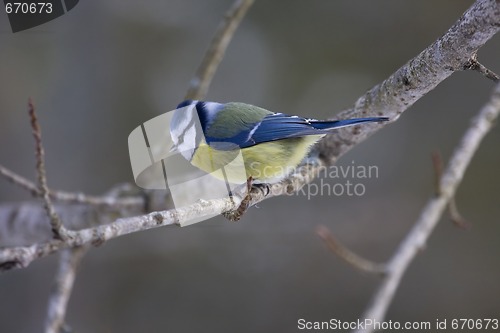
x=235, y=215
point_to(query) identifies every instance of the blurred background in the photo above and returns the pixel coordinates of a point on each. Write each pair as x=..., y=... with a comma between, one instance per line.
x=105, y=67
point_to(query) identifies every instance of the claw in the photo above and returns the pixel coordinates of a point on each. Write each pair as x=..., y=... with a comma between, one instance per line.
x=235, y=215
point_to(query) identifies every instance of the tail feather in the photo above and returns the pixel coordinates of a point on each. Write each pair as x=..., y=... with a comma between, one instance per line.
x=332, y=124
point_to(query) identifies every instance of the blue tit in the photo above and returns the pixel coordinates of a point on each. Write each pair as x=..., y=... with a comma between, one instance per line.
x=236, y=141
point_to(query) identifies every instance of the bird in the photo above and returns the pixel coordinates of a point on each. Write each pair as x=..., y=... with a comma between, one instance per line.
x=239, y=142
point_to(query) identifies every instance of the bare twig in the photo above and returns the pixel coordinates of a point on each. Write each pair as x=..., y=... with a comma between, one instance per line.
x=431, y=213
x=205, y=73
x=347, y=255
x=58, y=229
x=20, y=257
x=74, y=198
x=455, y=216
x=69, y=262
x=20, y=181
x=474, y=65
x=437, y=163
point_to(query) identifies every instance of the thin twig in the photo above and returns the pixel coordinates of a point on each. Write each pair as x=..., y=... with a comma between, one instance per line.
x=474, y=65
x=20, y=257
x=55, y=222
x=455, y=216
x=20, y=181
x=69, y=262
x=347, y=255
x=437, y=163
x=69, y=197
x=199, y=84
x=417, y=237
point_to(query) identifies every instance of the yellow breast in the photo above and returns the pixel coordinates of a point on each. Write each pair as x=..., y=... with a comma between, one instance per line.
x=266, y=162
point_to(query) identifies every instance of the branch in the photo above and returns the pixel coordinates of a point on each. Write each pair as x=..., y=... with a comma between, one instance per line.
x=73, y=198
x=455, y=216
x=416, y=239
x=20, y=257
x=347, y=255
x=475, y=65
x=58, y=229
x=69, y=262
x=205, y=73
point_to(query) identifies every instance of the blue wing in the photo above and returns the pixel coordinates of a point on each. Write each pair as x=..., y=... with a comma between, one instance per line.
x=280, y=126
